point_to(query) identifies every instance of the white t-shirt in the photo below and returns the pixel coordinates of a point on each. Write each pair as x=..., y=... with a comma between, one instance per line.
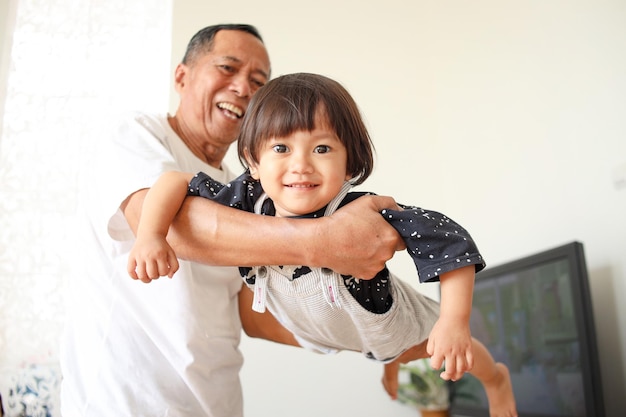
x=168, y=348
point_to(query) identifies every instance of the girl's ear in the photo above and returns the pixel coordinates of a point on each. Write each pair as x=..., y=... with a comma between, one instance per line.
x=251, y=164
x=253, y=172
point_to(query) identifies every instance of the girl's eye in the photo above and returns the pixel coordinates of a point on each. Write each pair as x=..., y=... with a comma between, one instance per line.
x=279, y=148
x=322, y=149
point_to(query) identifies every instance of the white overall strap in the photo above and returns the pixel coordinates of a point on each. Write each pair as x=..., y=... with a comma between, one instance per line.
x=260, y=289
x=329, y=280
x=334, y=203
x=260, y=281
x=258, y=205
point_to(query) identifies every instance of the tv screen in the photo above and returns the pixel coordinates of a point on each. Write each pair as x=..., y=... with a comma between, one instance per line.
x=534, y=314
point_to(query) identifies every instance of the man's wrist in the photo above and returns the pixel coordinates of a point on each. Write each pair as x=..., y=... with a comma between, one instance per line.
x=317, y=250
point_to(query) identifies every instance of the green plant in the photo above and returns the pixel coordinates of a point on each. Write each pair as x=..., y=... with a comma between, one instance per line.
x=422, y=387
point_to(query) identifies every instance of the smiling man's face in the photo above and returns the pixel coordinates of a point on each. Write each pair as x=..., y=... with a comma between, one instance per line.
x=216, y=87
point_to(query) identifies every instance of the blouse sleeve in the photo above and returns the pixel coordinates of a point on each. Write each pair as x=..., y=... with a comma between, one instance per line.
x=241, y=193
x=436, y=243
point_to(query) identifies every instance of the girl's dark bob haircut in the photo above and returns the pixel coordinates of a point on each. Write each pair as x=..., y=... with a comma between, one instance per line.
x=290, y=103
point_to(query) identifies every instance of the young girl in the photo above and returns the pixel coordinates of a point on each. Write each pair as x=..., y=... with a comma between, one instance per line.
x=305, y=145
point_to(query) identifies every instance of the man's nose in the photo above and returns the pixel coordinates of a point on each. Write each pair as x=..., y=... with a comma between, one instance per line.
x=241, y=86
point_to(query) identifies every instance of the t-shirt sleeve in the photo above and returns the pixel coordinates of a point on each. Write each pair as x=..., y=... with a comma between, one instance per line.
x=130, y=157
x=436, y=243
x=241, y=193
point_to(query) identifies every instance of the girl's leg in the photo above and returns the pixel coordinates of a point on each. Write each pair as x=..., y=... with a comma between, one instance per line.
x=391, y=369
x=496, y=380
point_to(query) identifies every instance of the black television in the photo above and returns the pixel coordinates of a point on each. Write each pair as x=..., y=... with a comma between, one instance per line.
x=534, y=314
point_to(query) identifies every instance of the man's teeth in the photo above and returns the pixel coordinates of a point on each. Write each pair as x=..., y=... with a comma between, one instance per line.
x=231, y=108
x=302, y=185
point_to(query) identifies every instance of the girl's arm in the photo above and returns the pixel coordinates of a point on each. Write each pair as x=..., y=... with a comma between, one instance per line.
x=151, y=256
x=450, y=339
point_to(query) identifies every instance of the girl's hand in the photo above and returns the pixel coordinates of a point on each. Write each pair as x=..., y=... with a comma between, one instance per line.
x=150, y=258
x=450, y=344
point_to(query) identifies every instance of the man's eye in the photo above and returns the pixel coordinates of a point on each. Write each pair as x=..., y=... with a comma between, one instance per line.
x=257, y=83
x=322, y=149
x=227, y=68
x=279, y=148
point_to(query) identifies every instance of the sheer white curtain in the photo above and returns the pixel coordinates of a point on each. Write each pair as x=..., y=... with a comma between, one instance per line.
x=69, y=66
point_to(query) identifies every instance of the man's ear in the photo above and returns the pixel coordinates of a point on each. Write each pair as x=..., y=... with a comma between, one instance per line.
x=179, y=76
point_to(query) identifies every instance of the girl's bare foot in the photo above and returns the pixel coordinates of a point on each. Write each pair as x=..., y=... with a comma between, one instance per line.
x=390, y=379
x=499, y=392
x=390, y=375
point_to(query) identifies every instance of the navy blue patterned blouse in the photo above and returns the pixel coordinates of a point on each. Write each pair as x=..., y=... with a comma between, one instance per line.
x=436, y=243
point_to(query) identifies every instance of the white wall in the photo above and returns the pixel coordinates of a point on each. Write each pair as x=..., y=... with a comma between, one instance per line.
x=7, y=13
x=508, y=116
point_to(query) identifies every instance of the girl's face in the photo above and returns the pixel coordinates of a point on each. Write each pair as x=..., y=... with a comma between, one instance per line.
x=302, y=172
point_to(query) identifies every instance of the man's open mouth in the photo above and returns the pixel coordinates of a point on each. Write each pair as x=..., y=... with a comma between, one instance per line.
x=231, y=109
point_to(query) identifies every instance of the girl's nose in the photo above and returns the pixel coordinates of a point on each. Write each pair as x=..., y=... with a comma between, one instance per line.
x=301, y=163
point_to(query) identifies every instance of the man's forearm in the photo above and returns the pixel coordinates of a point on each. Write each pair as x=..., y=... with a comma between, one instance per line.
x=355, y=240
x=207, y=232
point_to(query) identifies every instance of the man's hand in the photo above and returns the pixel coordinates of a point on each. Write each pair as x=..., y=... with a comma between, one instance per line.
x=358, y=239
